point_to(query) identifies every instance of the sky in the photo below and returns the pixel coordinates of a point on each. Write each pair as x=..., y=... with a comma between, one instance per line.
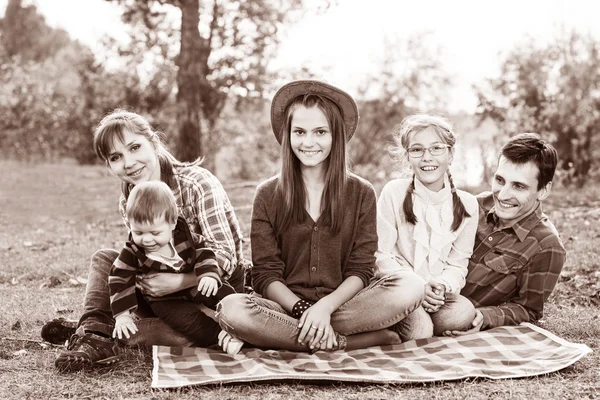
x=345, y=44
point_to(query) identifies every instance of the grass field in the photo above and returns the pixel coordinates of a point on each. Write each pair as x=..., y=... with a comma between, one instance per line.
x=54, y=216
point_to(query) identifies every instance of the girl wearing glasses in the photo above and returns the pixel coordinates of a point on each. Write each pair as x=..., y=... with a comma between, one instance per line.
x=427, y=226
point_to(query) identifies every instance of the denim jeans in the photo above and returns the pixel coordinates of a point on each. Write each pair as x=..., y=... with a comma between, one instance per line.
x=97, y=314
x=264, y=323
x=456, y=314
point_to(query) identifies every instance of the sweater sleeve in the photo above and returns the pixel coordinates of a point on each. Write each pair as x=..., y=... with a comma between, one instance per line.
x=455, y=269
x=121, y=282
x=266, y=254
x=361, y=262
x=389, y=259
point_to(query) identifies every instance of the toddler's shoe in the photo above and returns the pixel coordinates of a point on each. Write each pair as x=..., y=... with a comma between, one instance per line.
x=229, y=344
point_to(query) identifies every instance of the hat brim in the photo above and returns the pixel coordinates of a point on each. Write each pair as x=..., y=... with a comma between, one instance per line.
x=287, y=93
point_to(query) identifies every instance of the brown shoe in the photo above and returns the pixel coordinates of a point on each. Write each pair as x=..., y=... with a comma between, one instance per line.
x=87, y=351
x=59, y=330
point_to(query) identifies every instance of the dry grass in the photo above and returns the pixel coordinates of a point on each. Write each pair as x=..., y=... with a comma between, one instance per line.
x=54, y=216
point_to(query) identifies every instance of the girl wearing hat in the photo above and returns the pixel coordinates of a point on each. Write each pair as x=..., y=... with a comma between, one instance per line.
x=314, y=238
x=428, y=226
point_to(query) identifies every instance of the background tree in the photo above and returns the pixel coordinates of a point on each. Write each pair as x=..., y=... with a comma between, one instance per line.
x=553, y=90
x=224, y=47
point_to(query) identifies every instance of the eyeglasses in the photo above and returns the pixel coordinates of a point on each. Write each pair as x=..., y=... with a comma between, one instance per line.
x=435, y=150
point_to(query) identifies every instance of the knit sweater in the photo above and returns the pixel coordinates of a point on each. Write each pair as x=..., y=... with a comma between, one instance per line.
x=307, y=257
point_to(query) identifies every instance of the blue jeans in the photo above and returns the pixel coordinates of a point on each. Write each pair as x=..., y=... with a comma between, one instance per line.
x=97, y=315
x=264, y=323
x=456, y=314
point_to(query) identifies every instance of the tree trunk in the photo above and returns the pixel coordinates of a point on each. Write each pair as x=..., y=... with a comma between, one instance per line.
x=189, y=81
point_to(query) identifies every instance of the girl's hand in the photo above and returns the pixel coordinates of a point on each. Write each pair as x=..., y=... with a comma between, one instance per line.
x=315, y=324
x=158, y=284
x=124, y=325
x=208, y=286
x=329, y=342
x=434, y=296
x=475, y=326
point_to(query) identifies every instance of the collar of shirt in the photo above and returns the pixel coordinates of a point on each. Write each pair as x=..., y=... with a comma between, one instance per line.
x=522, y=226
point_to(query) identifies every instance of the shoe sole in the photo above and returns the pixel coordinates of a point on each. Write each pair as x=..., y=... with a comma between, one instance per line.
x=72, y=364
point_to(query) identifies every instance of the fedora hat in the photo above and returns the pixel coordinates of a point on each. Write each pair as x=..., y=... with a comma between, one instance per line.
x=287, y=93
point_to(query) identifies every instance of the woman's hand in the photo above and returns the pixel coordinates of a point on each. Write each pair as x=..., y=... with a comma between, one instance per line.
x=328, y=342
x=159, y=284
x=434, y=296
x=315, y=324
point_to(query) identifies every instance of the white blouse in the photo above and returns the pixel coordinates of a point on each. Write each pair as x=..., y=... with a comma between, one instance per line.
x=429, y=248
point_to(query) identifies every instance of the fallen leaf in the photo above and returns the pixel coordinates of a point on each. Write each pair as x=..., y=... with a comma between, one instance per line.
x=27, y=243
x=20, y=353
x=16, y=326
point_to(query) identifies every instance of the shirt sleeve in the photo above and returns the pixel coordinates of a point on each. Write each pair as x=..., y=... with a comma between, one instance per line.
x=121, y=282
x=454, y=273
x=211, y=204
x=266, y=254
x=361, y=262
x=388, y=255
x=535, y=286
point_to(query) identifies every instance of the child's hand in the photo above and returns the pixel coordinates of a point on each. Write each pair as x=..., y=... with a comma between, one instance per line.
x=434, y=296
x=124, y=325
x=208, y=286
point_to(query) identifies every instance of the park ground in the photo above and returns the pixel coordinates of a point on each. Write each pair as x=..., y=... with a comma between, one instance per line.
x=53, y=217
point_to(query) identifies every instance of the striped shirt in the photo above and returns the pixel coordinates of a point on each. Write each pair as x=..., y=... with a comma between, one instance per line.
x=133, y=260
x=513, y=270
x=203, y=203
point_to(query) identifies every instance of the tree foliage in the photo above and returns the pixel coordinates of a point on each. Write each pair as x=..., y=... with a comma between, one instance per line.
x=224, y=47
x=553, y=90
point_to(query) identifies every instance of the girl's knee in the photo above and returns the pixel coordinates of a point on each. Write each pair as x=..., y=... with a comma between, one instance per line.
x=232, y=309
x=409, y=288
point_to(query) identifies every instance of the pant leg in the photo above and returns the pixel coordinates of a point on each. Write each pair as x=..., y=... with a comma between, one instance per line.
x=97, y=314
x=386, y=301
x=456, y=314
x=212, y=301
x=184, y=317
x=260, y=322
x=236, y=280
x=417, y=325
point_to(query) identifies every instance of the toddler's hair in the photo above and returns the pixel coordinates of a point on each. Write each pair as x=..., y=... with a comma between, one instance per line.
x=151, y=200
x=443, y=128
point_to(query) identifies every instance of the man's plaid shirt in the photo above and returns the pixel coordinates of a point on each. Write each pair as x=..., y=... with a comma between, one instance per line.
x=513, y=270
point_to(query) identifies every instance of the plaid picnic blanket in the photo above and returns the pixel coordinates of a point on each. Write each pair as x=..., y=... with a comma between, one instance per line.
x=505, y=352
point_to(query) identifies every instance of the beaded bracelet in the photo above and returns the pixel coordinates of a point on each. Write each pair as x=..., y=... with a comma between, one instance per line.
x=300, y=307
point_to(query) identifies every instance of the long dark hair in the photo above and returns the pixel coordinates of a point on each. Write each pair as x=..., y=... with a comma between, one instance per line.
x=291, y=189
x=113, y=126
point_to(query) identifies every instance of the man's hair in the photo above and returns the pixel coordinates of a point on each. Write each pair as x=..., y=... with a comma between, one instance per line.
x=526, y=147
x=151, y=200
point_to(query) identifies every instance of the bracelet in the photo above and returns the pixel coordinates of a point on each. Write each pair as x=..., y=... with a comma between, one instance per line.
x=300, y=307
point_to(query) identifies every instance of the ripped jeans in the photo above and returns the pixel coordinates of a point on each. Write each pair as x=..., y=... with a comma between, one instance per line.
x=264, y=323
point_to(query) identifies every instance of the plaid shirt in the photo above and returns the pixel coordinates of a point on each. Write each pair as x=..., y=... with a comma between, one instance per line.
x=203, y=203
x=513, y=270
x=133, y=260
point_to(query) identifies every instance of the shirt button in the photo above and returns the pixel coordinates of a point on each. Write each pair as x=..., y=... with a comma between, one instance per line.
x=313, y=269
x=316, y=228
x=490, y=238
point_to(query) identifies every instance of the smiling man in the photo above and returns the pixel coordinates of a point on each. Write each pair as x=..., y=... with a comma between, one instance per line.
x=518, y=254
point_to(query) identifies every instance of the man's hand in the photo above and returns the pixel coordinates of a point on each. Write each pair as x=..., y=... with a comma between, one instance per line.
x=475, y=326
x=124, y=325
x=208, y=286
